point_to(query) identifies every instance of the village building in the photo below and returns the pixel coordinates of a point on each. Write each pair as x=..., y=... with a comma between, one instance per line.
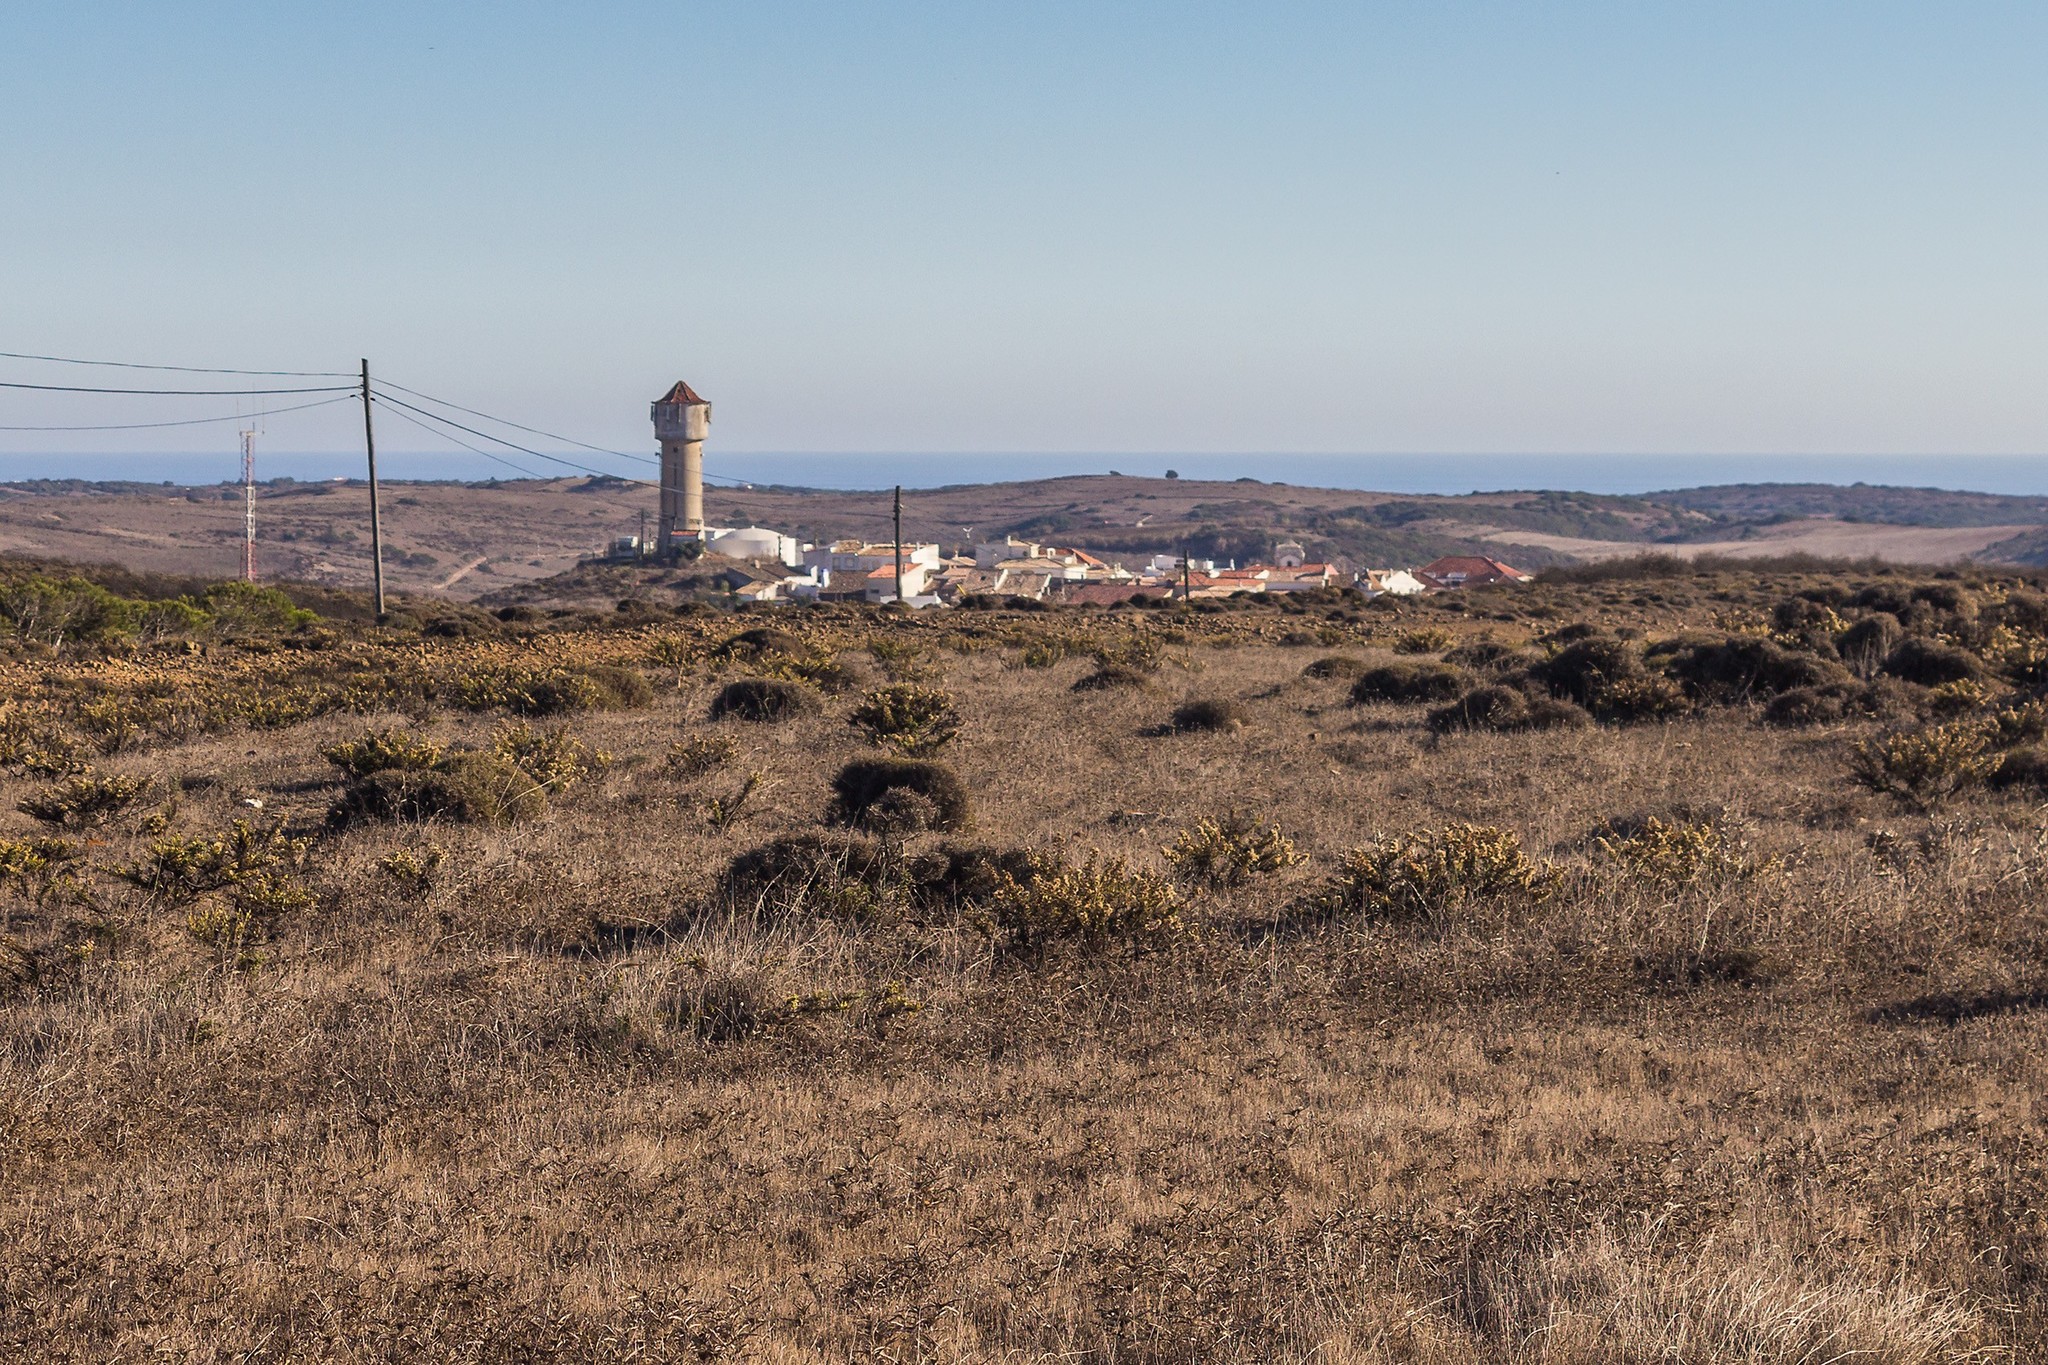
x=1468, y=571
x=1399, y=582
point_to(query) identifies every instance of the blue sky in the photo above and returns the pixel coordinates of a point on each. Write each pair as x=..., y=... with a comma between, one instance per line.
x=1567, y=227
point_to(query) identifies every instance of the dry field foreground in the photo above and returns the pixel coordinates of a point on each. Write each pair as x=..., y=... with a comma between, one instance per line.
x=543, y=1091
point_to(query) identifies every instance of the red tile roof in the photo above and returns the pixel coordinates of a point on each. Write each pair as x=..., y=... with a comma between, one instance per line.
x=1471, y=569
x=681, y=393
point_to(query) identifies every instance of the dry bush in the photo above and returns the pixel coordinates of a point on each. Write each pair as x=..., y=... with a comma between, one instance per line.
x=1408, y=682
x=1496, y=707
x=915, y=719
x=1095, y=902
x=470, y=788
x=377, y=751
x=555, y=759
x=862, y=785
x=1207, y=714
x=1336, y=666
x=699, y=756
x=547, y=691
x=758, y=642
x=839, y=876
x=763, y=699
x=1231, y=852
x=1432, y=876
x=1927, y=765
x=1111, y=677
x=1424, y=640
x=83, y=801
x=1674, y=853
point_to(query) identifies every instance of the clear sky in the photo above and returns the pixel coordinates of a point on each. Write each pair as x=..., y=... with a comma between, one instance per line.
x=1359, y=227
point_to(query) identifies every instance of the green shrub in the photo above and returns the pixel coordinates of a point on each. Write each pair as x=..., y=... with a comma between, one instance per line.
x=863, y=784
x=917, y=720
x=1926, y=765
x=254, y=870
x=1093, y=903
x=1230, y=852
x=376, y=751
x=1429, y=877
x=78, y=802
x=1408, y=682
x=1424, y=640
x=766, y=700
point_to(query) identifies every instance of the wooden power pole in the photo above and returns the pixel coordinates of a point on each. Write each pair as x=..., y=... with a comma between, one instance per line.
x=899, y=542
x=376, y=520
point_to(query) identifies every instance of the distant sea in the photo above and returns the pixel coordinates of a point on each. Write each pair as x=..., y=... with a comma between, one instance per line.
x=1420, y=473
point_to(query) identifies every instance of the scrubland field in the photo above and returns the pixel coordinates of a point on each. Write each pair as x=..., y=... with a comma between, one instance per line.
x=1645, y=965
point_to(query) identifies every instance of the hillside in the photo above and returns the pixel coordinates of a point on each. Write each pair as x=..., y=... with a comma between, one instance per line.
x=474, y=540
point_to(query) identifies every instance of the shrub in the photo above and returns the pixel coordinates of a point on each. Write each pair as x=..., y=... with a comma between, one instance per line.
x=1230, y=852
x=1408, y=682
x=548, y=691
x=471, y=788
x=763, y=699
x=554, y=759
x=1336, y=666
x=1093, y=903
x=1427, y=877
x=1495, y=707
x=1931, y=663
x=1864, y=645
x=1486, y=656
x=757, y=642
x=88, y=799
x=1424, y=640
x=861, y=784
x=1108, y=677
x=1821, y=705
x=700, y=755
x=1672, y=854
x=827, y=675
x=1585, y=669
x=963, y=876
x=841, y=876
x=1640, y=701
x=917, y=720
x=1210, y=714
x=2023, y=768
x=1925, y=765
x=1737, y=667
x=377, y=751
x=254, y=870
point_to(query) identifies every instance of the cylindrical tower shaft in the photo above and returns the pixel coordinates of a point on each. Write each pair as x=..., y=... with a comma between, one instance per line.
x=681, y=420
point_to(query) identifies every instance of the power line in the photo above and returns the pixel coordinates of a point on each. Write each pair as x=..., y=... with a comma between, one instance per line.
x=192, y=421
x=504, y=422
x=181, y=369
x=178, y=393
x=602, y=450
x=459, y=441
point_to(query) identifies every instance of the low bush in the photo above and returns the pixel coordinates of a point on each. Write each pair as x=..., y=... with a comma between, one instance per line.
x=1641, y=701
x=1408, y=682
x=1486, y=656
x=1672, y=854
x=1231, y=852
x=1207, y=715
x=915, y=719
x=1735, y=668
x=1424, y=640
x=548, y=691
x=839, y=876
x=699, y=755
x=969, y=876
x=1110, y=677
x=377, y=751
x=1096, y=902
x=1924, y=766
x=471, y=788
x=554, y=759
x=254, y=870
x=1868, y=640
x=78, y=802
x=1932, y=663
x=758, y=642
x=763, y=699
x=1500, y=708
x=862, y=785
x=1336, y=666
x=1429, y=877
x=1586, y=669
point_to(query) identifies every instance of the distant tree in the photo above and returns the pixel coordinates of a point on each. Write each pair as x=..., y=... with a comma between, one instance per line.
x=1173, y=473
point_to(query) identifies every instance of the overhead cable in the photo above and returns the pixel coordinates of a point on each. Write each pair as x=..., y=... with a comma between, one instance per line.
x=464, y=444
x=181, y=369
x=506, y=422
x=193, y=421
x=178, y=393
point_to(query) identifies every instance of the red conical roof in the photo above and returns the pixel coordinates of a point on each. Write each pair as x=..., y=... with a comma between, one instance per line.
x=681, y=393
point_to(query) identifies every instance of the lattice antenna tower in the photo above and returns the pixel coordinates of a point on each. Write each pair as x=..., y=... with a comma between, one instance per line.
x=249, y=505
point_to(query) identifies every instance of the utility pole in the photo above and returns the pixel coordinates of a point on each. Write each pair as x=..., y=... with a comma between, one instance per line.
x=899, y=542
x=249, y=506
x=376, y=521
x=1187, y=589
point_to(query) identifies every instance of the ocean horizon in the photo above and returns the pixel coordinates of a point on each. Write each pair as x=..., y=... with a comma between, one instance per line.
x=1381, y=473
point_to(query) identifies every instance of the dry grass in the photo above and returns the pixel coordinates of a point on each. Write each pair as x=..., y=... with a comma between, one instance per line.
x=544, y=1093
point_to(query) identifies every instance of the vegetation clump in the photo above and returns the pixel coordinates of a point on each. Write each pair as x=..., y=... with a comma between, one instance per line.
x=839, y=876
x=379, y=751
x=909, y=717
x=466, y=788
x=861, y=787
x=764, y=700
x=1932, y=663
x=1424, y=640
x=1209, y=714
x=1111, y=677
x=1736, y=668
x=1409, y=682
x=1098, y=901
x=1336, y=666
x=1923, y=766
x=1501, y=708
x=699, y=756
x=1225, y=853
x=1430, y=877
x=549, y=691
x=90, y=798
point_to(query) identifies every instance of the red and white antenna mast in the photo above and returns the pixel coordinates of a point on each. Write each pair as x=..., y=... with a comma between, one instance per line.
x=249, y=506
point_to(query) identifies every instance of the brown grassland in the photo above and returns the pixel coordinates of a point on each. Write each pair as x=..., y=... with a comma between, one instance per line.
x=1665, y=985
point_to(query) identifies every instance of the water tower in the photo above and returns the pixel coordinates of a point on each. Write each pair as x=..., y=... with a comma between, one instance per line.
x=681, y=420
